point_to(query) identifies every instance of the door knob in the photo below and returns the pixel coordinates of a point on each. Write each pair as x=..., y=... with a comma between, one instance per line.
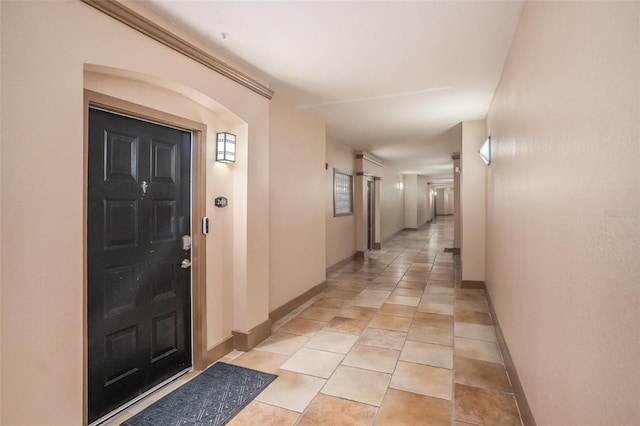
x=186, y=264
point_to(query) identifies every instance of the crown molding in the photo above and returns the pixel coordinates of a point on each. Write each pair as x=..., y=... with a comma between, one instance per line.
x=118, y=11
x=368, y=157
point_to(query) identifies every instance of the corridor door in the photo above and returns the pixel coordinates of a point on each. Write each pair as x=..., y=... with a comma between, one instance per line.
x=138, y=263
x=370, y=195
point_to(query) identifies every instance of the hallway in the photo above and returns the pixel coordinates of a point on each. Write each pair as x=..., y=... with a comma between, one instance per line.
x=390, y=342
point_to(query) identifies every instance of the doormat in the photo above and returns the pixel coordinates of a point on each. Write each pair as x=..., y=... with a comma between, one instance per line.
x=211, y=398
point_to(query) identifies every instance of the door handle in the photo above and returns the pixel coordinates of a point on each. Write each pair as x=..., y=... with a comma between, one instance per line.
x=186, y=264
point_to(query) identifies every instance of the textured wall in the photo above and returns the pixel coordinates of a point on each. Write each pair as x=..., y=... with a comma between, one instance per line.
x=391, y=203
x=421, y=196
x=473, y=201
x=45, y=48
x=563, y=232
x=411, y=201
x=297, y=219
x=340, y=231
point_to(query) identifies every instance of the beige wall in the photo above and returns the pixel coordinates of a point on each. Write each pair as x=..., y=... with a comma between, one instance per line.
x=563, y=232
x=421, y=201
x=45, y=46
x=429, y=202
x=391, y=203
x=416, y=211
x=442, y=201
x=473, y=200
x=297, y=183
x=340, y=231
x=449, y=199
x=411, y=201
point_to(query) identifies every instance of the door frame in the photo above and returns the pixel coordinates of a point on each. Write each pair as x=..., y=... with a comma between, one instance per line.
x=198, y=211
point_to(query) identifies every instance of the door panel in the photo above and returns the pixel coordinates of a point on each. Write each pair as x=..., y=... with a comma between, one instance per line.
x=138, y=296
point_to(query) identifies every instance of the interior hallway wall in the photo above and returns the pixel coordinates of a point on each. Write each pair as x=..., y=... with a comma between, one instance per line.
x=449, y=199
x=296, y=202
x=391, y=203
x=45, y=49
x=340, y=231
x=421, y=201
x=473, y=200
x=411, y=201
x=563, y=232
x=439, y=200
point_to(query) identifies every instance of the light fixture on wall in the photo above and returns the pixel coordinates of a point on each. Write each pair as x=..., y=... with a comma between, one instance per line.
x=226, y=148
x=485, y=151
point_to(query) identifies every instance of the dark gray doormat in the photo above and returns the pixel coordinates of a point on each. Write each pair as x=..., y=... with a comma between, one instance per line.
x=211, y=398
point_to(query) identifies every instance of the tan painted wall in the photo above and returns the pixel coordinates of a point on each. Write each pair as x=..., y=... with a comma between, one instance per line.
x=563, y=232
x=473, y=200
x=411, y=201
x=421, y=201
x=340, y=231
x=45, y=46
x=429, y=202
x=391, y=203
x=449, y=196
x=442, y=202
x=297, y=223
x=416, y=211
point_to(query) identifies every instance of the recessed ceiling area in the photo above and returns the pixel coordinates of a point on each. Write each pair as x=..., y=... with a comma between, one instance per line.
x=393, y=78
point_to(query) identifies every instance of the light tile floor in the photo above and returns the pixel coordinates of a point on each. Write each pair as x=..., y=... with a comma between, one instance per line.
x=392, y=341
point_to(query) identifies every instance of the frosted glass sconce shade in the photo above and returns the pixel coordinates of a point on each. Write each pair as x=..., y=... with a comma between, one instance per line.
x=226, y=147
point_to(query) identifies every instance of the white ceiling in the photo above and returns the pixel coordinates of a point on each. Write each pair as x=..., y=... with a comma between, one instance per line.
x=389, y=77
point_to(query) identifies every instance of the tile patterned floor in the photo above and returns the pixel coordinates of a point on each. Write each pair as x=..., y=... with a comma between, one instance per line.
x=391, y=341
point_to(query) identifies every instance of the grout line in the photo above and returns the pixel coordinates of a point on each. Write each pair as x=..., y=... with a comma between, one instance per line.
x=399, y=255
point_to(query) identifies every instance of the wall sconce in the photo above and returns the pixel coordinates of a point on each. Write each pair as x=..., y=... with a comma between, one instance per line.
x=485, y=151
x=226, y=150
x=400, y=186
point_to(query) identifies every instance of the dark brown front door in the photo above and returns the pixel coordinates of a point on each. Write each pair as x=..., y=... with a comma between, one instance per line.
x=139, y=291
